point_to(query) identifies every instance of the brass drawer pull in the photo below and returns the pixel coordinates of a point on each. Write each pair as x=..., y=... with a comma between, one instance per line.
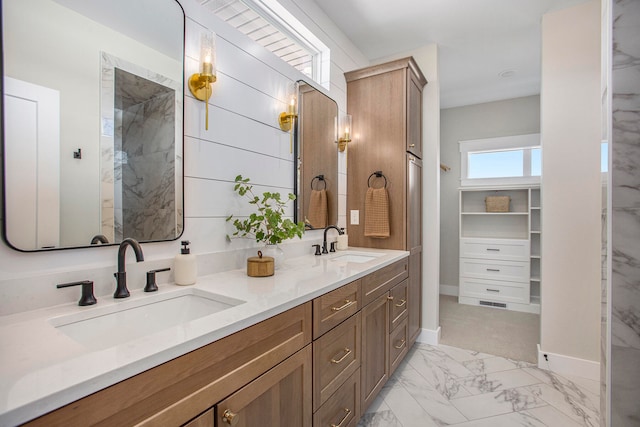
x=344, y=356
x=346, y=415
x=230, y=417
x=404, y=301
x=347, y=303
x=402, y=343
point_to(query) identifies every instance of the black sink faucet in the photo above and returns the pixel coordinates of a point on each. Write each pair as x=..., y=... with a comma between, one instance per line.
x=121, y=275
x=324, y=241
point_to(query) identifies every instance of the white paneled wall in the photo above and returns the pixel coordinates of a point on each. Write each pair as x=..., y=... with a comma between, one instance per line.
x=243, y=138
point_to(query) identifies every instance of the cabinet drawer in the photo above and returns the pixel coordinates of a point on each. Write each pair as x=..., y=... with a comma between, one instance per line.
x=398, y=305
x=336, y=355
x=503, y=249
x=332, y=308
x=343, y=407
x=516, y=271
x=398, y=346
x=379, y=282
x=495, y=291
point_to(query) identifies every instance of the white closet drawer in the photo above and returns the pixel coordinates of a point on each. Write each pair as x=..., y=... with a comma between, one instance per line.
x=495, y=291
x=517, y=271
x=504, y=249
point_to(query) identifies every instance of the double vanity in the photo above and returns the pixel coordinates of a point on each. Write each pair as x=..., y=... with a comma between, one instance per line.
x=314, y=342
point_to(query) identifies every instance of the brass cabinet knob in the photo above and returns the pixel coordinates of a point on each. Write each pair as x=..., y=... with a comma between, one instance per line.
x=230, y=417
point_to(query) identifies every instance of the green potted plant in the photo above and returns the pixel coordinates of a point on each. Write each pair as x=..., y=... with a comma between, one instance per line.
x=268, y=224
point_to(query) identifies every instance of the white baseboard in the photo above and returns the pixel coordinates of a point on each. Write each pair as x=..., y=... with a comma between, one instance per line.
x=429, y=336
x=569, y=365
x=449, y=290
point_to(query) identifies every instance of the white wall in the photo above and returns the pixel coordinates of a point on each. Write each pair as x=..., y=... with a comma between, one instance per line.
x=516, y=116
x=571, y=186
x=243, y=138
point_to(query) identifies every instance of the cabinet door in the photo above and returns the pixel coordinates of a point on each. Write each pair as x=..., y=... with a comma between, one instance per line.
x=374, y=371
x=415, y=295
x=280, y=397
x=414, y=201
x=414, y=114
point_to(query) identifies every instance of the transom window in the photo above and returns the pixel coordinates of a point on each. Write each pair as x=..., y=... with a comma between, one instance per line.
x=274, y=28
x=505, y=160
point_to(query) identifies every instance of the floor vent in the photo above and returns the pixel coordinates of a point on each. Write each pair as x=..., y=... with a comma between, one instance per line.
x=493, y=304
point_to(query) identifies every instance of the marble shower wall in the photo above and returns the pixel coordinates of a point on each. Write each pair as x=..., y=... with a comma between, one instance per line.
x=148, y=183
x=625, y=284
x=140, y=158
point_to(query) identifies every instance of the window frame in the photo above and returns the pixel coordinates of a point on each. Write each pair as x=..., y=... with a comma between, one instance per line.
x=505, y=143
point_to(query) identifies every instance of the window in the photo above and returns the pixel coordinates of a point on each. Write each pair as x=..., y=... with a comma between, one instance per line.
x=497, y=161
x=274, y=28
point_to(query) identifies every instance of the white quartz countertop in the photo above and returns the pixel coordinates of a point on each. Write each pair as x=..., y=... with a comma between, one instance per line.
x=42, y=368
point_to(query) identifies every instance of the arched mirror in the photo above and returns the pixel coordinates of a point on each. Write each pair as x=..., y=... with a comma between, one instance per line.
x=93, y=122
x=317, y=177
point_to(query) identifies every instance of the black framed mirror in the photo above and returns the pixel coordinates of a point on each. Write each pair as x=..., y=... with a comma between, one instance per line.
x=92, y=122
x=317, y=153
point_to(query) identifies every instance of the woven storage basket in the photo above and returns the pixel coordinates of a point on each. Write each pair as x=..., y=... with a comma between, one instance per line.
x=497, y=203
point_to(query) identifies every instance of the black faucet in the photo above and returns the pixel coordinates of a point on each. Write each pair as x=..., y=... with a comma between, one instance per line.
x=324, y=241
x=99, y=238
x=121, y=275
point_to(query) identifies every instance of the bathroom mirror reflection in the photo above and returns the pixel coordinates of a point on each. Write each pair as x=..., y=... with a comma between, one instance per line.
x=93, y=122
x=317, y=178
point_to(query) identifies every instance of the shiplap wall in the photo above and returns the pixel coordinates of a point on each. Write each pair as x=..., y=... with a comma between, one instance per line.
x=243, y=138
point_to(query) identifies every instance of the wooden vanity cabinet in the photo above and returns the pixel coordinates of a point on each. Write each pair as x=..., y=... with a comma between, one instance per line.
x=174, y=393
x=272, y=373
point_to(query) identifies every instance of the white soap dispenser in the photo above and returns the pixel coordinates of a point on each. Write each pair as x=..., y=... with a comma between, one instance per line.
x=185, y=267
x=343, y=241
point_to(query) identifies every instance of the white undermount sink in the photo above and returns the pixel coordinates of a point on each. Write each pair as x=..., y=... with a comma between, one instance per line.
x=357, y=257
x=104, y=327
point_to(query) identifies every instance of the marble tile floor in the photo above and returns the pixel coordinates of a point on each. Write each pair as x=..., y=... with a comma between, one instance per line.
x=443, y=385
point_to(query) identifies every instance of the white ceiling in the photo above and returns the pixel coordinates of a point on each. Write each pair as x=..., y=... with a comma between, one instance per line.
x=477, y=40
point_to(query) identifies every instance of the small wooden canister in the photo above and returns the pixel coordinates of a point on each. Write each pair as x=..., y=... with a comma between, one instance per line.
x=259, y=266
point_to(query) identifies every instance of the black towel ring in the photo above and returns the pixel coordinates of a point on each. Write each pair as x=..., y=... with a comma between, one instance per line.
x=377, y=174
x=320, y=178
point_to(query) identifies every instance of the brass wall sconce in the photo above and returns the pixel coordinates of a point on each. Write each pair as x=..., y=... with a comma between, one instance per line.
x=287, y=117
x=343, y=131
x=200, y=83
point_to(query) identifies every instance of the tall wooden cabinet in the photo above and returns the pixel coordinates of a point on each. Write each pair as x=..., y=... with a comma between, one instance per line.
x=386, y=104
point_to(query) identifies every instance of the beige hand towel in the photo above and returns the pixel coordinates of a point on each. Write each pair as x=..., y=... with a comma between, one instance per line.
x=376, y=213
x=318, y=215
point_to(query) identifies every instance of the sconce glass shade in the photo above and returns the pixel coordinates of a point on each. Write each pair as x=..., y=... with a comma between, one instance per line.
x=200, y=83
x=208, y=54
x=286, y=118
x=343, y=131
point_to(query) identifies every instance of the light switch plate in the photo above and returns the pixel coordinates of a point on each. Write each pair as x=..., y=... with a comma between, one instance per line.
x=355, y=217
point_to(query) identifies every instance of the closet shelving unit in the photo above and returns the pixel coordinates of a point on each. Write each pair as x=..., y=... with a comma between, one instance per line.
x=500, y=251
